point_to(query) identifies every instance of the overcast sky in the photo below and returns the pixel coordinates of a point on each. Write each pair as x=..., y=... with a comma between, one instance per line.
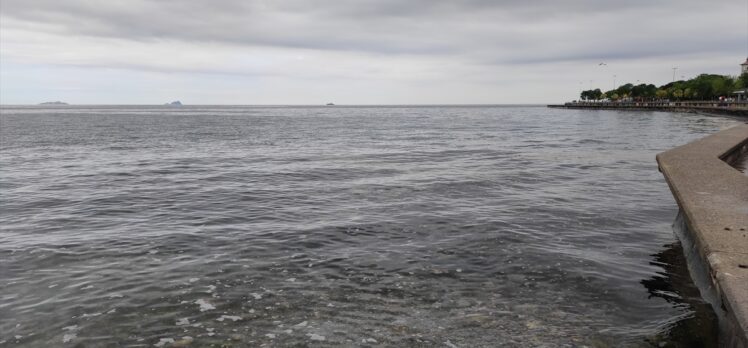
x=356, y=52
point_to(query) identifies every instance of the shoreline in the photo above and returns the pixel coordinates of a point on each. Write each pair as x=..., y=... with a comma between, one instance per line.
x=713, y=199
x=729, y=109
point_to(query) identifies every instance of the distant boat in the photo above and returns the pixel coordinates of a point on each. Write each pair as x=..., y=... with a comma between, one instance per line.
x=330, y=104
x=54, y=103
x=174, y=103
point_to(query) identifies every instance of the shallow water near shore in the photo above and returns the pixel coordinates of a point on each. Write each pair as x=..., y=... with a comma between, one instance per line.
x=471, y=226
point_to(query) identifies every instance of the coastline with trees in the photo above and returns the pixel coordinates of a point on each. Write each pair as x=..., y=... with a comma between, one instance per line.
x=705, y=87
x=705, y=93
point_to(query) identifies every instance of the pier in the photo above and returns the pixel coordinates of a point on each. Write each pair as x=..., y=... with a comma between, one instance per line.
x=709, y=107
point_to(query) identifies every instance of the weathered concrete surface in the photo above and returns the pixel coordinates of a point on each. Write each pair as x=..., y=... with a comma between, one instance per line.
x=713, y=197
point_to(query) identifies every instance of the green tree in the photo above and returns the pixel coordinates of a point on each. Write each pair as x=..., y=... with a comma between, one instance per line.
x=592, y=94
x=678, y=93
x=661, y=94
x=742, y=81
x=702, y=87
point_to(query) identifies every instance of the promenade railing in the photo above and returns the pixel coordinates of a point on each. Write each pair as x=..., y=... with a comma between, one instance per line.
x=663, y=104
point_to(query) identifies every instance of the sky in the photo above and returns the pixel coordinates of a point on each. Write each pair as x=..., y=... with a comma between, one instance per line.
x=284, y=52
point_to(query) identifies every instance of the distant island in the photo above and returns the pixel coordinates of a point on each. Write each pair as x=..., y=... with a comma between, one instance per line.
x=174, y=103
x=330, y=104
x=54, y=103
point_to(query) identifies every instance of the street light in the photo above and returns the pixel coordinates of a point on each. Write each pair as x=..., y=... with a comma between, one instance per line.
x=674, y=69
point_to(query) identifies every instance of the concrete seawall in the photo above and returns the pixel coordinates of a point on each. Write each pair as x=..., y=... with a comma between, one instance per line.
x=713, y=198
x=731, y=110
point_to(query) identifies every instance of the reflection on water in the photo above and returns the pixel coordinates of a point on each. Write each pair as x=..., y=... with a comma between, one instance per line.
x=741, y=163
x=698, y=326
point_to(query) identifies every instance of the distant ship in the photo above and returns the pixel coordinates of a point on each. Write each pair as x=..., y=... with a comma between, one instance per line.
x=330, y=104
x=54, y=103
x=174, y=103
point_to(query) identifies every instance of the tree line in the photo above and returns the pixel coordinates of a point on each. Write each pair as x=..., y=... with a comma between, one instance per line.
x=702, y=87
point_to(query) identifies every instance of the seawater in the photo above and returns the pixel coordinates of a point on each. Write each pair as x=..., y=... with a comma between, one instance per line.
x=473, y=226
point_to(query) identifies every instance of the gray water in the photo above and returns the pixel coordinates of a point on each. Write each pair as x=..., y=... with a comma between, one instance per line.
x=343, y=226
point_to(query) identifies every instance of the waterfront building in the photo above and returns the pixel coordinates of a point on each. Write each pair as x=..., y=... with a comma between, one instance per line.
x=742, y=94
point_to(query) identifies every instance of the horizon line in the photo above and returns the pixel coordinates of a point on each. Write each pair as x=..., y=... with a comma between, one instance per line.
x=261, y=105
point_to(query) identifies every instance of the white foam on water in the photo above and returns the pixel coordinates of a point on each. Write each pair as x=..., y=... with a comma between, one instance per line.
x=229, y=317
x=163, y=341
x=450, y=344
x=68, y=337
x=256, y=296
x=204, y=305
x=183, y=321
x=301, y=324
x=315, y=337
x=192, y=280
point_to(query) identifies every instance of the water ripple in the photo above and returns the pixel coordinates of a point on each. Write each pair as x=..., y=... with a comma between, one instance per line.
x=397, y=226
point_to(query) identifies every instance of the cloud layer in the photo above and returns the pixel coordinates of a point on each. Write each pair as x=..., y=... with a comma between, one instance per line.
x=416, y=51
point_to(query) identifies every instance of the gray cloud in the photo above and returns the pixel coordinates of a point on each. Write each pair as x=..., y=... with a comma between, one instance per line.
x=471, y=43
x=598, y=29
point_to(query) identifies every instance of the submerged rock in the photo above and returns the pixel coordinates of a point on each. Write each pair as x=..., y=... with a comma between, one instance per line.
x=184, y=342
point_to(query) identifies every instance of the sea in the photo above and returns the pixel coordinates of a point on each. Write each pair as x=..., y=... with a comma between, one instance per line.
x=352, y=226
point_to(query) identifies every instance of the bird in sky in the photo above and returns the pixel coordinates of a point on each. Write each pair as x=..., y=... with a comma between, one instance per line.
x=602, y=64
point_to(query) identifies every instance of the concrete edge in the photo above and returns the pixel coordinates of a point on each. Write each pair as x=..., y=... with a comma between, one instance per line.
x=713, y=198
x=738, y=112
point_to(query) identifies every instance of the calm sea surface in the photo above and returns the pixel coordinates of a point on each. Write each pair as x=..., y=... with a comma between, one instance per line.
x=342, y=226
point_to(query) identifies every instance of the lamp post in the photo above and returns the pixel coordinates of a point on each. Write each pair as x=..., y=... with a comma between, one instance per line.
x=674, y=69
